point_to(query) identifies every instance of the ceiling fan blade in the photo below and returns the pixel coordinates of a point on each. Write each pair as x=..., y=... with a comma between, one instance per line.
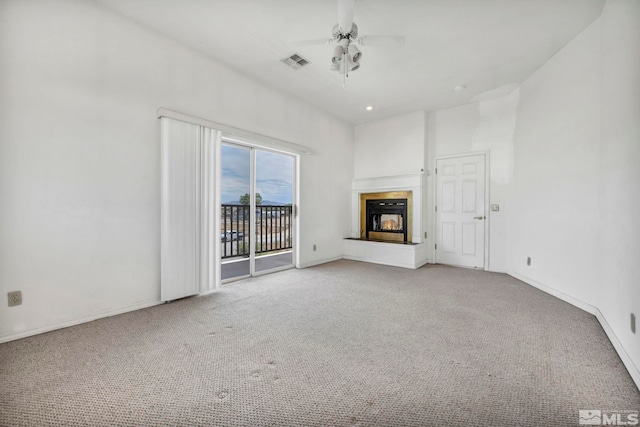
x=314, y=42
x=381, y=41
x=345, y=15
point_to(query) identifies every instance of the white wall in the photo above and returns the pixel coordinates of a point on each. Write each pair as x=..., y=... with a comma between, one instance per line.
x=79, y=157
x=388, y=147
x=554, y=198
x=575, y=196
x=619, y=171
x=485, y=125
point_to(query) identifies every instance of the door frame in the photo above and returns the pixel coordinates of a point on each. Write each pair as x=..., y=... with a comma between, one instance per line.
x=487, y=189
x=252, y=213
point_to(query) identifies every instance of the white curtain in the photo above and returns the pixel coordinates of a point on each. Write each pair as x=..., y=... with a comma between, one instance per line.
x=188, y=204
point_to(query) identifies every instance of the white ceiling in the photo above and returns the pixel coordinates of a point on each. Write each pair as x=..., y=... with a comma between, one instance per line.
x=484, y=45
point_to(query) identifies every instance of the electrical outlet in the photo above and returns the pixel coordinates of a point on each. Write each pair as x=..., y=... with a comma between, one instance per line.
x=633, y=323
x=314, y=248
x=15, y=298
x=528, y=260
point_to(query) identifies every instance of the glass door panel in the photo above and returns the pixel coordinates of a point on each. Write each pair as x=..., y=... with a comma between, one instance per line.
x=274, y=211
x=235, y=211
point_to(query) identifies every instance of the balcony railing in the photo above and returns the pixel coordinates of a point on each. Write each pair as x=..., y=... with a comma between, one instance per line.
x=273, y=230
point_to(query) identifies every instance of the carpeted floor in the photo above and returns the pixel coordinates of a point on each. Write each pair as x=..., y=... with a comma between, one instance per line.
x=345, y=343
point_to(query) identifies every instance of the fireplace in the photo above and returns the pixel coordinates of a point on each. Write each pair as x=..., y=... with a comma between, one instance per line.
x=389, y=248
x=386, y=216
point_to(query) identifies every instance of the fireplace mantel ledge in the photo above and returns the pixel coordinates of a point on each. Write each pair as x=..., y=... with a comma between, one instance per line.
x=387, y=182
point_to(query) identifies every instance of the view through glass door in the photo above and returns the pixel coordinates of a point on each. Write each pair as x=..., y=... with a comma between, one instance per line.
x=257, y=222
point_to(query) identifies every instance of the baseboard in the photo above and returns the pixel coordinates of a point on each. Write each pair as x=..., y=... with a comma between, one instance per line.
x=624, y=356
x=617, y=345
x=556, y=293
x=390, y=264
x=421, y=263
x=74, y=322
x=319, y=261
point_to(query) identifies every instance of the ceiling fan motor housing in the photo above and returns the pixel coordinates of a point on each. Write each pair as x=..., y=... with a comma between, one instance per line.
x=351, y=35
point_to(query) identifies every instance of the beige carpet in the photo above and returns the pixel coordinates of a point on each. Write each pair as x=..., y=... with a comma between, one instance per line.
x=345, y=343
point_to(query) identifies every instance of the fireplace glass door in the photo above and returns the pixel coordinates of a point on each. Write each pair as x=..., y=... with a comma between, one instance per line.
x=387, y=222
x=386, y=219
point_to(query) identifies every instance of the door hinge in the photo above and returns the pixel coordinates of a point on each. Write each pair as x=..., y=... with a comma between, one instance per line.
x=295, y=210
x=436, y=209
x=436, y=171
x=436, y=246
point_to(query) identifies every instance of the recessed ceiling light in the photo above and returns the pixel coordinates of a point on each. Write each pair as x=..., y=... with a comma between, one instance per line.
x=459, y=88
x=369, y=107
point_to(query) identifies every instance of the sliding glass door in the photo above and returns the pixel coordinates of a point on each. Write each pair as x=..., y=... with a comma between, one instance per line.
x=257, y=216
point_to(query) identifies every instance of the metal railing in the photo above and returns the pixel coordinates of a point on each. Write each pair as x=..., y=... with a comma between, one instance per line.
x=273, y=230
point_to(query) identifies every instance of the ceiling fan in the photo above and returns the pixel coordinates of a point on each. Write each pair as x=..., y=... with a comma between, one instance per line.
x=346, y=55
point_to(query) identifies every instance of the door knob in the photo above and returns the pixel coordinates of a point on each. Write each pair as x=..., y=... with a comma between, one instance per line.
x=478, y=217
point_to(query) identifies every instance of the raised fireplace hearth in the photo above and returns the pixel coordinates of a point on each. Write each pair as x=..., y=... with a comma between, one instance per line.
x=386, y=217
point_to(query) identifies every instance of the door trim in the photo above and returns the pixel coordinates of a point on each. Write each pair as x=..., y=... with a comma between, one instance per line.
x=487, y=190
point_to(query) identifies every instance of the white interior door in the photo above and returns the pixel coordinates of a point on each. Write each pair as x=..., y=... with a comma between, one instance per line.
x=460, y=211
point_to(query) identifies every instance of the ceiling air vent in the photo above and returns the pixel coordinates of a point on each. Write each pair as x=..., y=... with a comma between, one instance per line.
x=295, y=61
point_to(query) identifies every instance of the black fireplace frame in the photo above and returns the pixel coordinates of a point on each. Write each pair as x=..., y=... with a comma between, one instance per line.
x=387, y=207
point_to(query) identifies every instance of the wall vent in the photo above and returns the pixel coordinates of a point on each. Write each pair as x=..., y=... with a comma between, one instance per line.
x=295, y=61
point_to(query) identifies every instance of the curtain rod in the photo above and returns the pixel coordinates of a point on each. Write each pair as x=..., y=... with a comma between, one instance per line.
x=247, y=136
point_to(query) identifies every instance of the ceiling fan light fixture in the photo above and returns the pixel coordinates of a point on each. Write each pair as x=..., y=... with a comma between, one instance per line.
x=354, y=52
x=338, y=54
x=346, y=55
x=369, y=107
